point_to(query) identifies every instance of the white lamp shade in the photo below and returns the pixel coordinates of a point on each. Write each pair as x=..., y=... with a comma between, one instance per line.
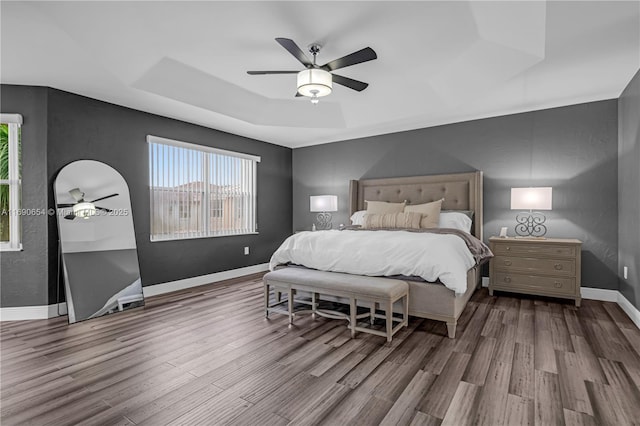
x=531, y=198
x=314, y=80
x=323, y=203
x=84, y=210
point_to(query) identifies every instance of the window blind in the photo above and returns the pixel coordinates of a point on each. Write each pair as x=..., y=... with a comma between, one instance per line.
x=198, y=191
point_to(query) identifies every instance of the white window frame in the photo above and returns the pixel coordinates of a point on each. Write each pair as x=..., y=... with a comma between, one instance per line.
x=14, y=121
x=208, y=233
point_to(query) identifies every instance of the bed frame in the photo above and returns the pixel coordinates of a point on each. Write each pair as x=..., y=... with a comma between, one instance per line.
x=461, y=191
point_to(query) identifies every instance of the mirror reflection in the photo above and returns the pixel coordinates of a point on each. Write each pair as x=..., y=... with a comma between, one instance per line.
x=97, y=240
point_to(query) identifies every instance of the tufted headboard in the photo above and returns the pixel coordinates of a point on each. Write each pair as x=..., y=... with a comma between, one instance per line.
x=461, y=191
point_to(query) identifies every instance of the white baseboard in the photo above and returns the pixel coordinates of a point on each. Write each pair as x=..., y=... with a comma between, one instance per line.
x=601, y=294
x=168, y=287
x=629, y=309
x=22, y=313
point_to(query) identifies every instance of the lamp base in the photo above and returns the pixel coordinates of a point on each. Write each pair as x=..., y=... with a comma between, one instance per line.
x=531, y=225
x=324, y=221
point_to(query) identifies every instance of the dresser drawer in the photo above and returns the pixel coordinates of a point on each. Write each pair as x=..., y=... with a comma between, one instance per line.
x=534, y=249
x=515, y=282
x=535, y=265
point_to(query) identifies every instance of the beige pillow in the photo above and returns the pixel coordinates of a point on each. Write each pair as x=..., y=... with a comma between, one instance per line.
x=430, y=213
x=392, y=220
x=382, y=207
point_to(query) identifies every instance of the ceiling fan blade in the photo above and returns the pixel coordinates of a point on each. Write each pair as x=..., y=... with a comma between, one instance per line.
x=362, y=55
x=70, y=216
x=64, y=206
x=293, y=48
x=104, y=198
x=77, y=194
x=271, y=72
x=349, y=82
x=103, y=208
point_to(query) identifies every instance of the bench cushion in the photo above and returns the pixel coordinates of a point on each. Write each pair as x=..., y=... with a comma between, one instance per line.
x=330, y=282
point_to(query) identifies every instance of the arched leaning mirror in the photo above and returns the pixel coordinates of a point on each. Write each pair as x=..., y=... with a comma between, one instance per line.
x=97, y=241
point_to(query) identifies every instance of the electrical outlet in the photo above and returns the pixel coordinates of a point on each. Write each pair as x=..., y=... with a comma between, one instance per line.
x=246, y=251
x=625, y=272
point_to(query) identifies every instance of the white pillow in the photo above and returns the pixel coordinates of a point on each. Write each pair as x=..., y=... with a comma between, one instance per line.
x=455, y=220
x=358, y=217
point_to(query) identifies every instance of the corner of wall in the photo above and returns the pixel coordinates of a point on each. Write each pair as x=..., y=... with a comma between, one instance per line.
x=628, y=190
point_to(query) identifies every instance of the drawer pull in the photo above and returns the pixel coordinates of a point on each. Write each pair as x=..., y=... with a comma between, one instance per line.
x=508, y=248
x=557, y=284
x=507, y=279
x=558, y=266
x=507, y=262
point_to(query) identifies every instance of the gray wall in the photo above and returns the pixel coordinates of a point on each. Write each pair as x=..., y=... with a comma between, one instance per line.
x=629, y=190
x=24, y=275
x=573, y=149
x=82, y=128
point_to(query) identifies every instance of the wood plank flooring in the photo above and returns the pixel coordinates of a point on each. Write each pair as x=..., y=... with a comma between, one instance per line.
x=208, y=356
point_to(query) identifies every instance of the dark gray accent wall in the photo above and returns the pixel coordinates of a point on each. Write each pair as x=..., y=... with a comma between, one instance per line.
x=573, y=149
x=82, y=128
x=629, y=190
x=24, y=274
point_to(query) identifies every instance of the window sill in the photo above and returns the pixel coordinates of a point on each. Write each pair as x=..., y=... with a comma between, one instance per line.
x=158, y=240
x=6, y=249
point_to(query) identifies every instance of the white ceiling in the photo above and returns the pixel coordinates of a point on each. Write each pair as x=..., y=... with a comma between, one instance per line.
x=438, y=62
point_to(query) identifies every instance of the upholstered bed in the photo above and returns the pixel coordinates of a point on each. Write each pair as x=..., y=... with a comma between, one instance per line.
x=461, y=191
x=433, y=300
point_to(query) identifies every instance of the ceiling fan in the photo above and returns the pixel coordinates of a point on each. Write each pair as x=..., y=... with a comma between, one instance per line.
x=316, y=80
x=82, y=208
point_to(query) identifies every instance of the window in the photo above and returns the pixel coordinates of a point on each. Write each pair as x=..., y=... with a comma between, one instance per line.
x=10, y=182
x=197, y=191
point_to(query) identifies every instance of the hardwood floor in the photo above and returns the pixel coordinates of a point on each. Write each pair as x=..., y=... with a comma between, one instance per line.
x=208, y=356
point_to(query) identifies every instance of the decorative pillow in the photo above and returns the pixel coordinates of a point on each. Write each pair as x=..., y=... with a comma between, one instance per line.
x=455, y=220
x=430, y=213
x=382, y=207
x=392, y=220
x=358, y=217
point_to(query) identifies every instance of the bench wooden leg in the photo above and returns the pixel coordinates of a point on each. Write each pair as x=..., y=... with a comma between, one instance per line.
x=352, y=317
x=405, y=310
x=389, y=318
x=266, y=300
x=372, y=318
x=314, y=304
x=290, y=295
x=451, y=329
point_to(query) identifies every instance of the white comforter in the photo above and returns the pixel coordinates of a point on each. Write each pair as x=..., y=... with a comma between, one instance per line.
x=381, y=253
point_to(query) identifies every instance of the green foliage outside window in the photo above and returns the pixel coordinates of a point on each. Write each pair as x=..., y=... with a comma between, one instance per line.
x=4, y=174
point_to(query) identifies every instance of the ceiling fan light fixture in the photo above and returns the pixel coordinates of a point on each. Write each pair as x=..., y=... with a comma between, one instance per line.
x=314, y=83
x=84, y=210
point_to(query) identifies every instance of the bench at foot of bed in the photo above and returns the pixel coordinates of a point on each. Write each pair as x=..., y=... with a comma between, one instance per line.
x=378, y=293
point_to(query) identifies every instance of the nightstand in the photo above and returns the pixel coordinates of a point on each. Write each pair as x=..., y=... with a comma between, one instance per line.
x=544, y=267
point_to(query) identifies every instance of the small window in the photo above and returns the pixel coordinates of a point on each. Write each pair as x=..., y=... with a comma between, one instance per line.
x=198, y=191
x=10, y=182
